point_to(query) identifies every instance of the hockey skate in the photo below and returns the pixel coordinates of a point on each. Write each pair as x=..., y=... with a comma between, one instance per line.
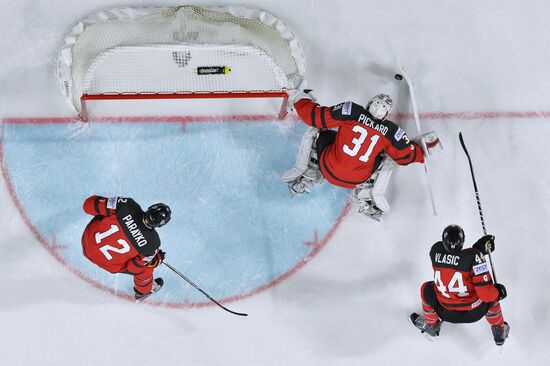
x=362, y=196
x=420, y=322
x=369, y=195
x=500, y=333
x=304, y=183
x=157, y=285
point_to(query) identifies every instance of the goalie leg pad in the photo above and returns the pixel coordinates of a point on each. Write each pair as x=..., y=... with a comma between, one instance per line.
x=381, y=184
x=306, y=173
x=369, y=196
x=304, y=156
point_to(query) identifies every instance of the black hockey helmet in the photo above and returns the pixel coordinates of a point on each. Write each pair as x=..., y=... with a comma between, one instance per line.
x=157, y=215
x=453, y=238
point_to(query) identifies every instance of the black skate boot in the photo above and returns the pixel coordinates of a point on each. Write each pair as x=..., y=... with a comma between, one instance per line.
x=500, y=333
x=420, y=322
x=157, y=285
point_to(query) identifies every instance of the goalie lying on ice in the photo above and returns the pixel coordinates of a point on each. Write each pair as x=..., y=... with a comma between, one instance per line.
x=360, y=154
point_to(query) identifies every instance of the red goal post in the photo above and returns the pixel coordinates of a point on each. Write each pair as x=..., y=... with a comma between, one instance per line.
x=179, y=53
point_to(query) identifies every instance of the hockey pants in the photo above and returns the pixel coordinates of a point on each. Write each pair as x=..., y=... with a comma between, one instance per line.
x=433, y=310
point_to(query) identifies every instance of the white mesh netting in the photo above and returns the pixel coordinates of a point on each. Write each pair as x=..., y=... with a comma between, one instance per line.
x=179, y=50
x=174, y=69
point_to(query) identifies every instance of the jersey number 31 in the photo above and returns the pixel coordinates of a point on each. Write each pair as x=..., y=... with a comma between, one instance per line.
x=358, y=142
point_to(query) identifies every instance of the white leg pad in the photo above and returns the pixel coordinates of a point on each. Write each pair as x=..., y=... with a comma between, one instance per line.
x=383, y=177
x=302, y=160
x=381, y=184
x=291, y=175
x=381, y=203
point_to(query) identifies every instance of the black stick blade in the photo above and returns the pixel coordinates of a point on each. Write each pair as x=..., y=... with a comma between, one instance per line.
x=201, y=290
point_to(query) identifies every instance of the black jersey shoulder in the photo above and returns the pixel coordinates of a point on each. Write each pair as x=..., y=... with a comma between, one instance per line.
x=462, y=261
x=347, y=111
x=130, y=217
x=397, y=136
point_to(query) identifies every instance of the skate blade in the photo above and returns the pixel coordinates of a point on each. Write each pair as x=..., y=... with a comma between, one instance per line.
x=426, y=335
x=429, y=337
x=501, y=346
x=147, y=296
x=375, y=216
x=294, y=193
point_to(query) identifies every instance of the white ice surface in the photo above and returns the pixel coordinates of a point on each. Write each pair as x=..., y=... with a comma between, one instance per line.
x=349, y=305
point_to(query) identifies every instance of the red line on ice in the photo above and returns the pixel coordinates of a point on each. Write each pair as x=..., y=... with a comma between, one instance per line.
x=153, y=119
x=52, y=249
x=470, y=115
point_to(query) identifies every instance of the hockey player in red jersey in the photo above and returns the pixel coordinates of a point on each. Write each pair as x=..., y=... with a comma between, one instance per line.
x=121, y=238
x=463, y=290
x=361, y=154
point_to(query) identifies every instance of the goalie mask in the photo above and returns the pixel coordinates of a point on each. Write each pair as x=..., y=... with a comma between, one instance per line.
x=453, y=238
x=157, y=215
x=380, y=106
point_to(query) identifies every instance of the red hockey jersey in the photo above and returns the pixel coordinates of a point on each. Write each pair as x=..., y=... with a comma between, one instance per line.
x=462, y=280
x=350, y=160
x=116, y=239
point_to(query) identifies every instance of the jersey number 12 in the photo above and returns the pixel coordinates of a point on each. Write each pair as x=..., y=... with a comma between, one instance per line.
x=99, y=236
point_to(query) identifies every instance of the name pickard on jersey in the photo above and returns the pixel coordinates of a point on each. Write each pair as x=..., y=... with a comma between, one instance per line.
x=354, y=112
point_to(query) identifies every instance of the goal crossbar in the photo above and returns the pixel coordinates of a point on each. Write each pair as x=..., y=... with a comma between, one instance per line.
x=206, y=95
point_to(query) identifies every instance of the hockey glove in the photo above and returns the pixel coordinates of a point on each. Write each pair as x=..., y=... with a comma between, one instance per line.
x=501, y=291
x=430, y=143
x=157, y=260
x=296, y=95
x=486, y=244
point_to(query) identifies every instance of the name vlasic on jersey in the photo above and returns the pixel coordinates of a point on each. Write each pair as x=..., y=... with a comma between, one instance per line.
x=462, y=280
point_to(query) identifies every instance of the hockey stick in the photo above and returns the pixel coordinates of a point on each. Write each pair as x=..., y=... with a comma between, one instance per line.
x=478, y=203
x=408, y=79
x=198, y=288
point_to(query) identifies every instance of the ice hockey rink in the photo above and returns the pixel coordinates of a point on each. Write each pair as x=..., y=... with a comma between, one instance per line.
x=322, y=284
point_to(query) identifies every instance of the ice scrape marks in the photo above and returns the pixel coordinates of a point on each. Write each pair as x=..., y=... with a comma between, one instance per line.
x=234, y=230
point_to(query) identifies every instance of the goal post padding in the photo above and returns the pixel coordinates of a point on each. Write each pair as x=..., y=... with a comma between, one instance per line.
x=179, y=53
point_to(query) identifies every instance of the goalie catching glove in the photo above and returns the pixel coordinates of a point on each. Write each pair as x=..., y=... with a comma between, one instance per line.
x=430, y=143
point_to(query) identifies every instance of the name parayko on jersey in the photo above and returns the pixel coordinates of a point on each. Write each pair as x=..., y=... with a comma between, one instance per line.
x=133, y=229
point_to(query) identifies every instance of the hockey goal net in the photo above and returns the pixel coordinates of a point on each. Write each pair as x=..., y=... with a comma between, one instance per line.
x=184, y=52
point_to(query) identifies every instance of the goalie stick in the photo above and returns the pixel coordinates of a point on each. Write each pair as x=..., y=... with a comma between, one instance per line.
x=198, y=288
x=404, y=74
x=478, y=202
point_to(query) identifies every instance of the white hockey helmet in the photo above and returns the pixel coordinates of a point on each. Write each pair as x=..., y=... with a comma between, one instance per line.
x=380, y=106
